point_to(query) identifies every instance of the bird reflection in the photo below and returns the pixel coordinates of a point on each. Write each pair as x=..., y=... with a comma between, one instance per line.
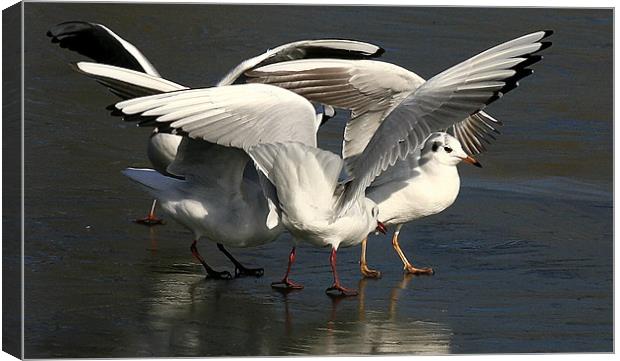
x=195, y=317
x=153, y=239
x=395, y=293
x=376, y=332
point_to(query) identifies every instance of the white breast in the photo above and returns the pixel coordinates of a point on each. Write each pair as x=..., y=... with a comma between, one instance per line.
x=427, y=193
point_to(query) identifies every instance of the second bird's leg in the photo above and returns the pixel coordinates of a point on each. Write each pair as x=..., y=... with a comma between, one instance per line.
x=407, y=265
x=286, y=282
x=151, y=219
x=241, y=270
x=336, y=286
x=211, y=273
x=367, y=272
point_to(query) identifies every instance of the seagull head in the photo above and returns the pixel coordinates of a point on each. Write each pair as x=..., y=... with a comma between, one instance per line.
x=447, y=150
x=373, y=217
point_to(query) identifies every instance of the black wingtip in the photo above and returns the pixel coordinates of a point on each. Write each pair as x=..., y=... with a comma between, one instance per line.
x=111, y=107
x=495, y=97
x=548, y=33
x=544, y=45
x=378, y=53
x=530, y=61
x=115, y=112
x=513, y=82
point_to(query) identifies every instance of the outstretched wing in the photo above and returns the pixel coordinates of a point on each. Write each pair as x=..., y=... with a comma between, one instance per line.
x=370, y=89
x=100, y=44
x=305, y=49
x=126, y=83
x=445, y=99
x=234, y=115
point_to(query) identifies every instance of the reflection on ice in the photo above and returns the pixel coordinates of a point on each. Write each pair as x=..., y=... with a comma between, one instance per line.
x=192, y=317
x=379, y=331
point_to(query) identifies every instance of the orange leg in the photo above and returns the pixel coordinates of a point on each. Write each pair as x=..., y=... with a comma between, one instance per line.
x=336, y=286
x=407, y=265
x=367, y=272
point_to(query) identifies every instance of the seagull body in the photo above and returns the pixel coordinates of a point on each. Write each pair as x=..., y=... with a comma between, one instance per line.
x=428, y=184
x=306, y=181
x=394, y=110
x=212, y=209
x=307, y=190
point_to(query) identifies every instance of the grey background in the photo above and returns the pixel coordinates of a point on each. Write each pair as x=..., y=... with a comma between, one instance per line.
x=523, y=258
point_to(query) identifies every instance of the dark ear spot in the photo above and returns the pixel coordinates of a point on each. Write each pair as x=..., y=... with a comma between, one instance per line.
x=435, y=146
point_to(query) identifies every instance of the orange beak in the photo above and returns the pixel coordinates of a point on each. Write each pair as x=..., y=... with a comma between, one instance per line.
x=381, y=227
x=472, y=161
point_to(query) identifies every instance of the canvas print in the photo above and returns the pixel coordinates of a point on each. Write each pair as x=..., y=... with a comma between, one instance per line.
x=207, y=180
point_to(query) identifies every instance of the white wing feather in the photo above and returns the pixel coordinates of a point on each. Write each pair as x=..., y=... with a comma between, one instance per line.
x=125, y=82
x=234, y=115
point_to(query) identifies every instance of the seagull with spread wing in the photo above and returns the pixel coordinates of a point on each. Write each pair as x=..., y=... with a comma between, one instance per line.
x=216, y=194
x=129, y=74
x=303, y=193
x=393, y=111
x=126, y=72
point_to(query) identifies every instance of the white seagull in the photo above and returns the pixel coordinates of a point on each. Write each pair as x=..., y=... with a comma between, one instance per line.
x=216, y=194
x=101, y=44
x=380, y=95
x=307, y=194
x=304, y=191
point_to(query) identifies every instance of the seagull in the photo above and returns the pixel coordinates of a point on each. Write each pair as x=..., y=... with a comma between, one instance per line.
x=218, y=197
x=425, y=183
x=101, y=44
x=214, y=192
x=383, y=95
x=307, y=192
x=301, y=191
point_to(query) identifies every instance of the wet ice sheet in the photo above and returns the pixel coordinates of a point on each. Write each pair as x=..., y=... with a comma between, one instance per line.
x=523, y=258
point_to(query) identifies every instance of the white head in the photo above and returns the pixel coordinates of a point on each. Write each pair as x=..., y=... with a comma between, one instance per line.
x=445, y=149
x=372, y=212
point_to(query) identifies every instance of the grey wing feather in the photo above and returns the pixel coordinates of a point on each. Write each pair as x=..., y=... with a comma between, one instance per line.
x=370, y=89
x=204, y=162
x=475, y=131
x=445, y=99
x=305, y=49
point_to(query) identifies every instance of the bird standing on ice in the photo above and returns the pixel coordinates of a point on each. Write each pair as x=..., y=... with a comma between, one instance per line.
x=307, y=192
x=216, y=194
x=426, y=183
x=406, y=108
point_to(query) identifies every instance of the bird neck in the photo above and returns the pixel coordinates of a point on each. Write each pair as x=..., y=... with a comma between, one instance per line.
x=434, y=168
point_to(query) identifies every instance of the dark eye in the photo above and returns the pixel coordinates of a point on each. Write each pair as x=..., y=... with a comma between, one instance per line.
x=448, y=149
